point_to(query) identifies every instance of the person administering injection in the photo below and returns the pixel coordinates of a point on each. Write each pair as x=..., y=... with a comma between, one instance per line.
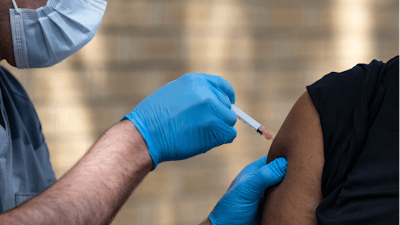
x=184, y=118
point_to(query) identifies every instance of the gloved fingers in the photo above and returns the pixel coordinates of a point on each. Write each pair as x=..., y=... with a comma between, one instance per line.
x=224, y=133
x=250, y=170
x=232, y=133
x=271, y=174
x=223, y=98
x=254, y=166
x=259, y=162
x=223, y=85
x=224, y=113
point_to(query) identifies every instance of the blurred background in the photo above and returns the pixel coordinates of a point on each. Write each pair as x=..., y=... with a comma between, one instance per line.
x=268, y=50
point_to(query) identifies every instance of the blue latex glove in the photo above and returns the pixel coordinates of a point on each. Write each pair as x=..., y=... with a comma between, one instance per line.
x=240, y=203
x=186, y=117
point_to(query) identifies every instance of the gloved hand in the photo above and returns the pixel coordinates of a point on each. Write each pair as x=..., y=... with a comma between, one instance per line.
x=240, y=203
x=186, y=117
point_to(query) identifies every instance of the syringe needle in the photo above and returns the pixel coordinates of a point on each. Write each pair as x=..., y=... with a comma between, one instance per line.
x=252, y=123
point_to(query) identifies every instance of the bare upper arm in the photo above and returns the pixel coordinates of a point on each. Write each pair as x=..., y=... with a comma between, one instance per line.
x=300, y=139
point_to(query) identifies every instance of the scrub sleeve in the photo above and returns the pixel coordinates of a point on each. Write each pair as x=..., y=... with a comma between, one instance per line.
x=359, y=115
x=25, y=168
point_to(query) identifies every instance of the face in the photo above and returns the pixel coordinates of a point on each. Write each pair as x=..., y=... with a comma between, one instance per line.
x=6, y=44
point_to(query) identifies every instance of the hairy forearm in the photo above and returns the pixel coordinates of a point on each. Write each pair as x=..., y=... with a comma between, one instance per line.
x=96, y=188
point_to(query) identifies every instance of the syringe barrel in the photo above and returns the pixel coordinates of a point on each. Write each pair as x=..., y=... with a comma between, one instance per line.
x=246, y=118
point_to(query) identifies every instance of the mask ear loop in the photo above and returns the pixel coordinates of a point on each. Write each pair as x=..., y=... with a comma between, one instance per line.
x=16, y=7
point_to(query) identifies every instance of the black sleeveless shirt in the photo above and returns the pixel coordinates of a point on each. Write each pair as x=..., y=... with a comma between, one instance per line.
x=359, y=114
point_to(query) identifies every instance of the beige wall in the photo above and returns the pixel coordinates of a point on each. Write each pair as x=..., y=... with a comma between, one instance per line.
x=268, y=50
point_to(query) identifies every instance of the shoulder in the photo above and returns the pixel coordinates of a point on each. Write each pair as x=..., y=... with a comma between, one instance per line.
x=300, y=128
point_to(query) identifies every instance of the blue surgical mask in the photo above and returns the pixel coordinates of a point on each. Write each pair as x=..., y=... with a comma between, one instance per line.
x=50, y=34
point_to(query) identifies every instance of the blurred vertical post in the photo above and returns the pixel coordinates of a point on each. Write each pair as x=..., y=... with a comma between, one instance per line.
x=352, y=29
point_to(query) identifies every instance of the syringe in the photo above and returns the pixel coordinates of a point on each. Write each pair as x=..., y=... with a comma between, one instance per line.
x=252, y=123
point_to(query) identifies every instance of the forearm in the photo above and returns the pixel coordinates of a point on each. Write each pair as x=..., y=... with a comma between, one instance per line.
x=96, y=188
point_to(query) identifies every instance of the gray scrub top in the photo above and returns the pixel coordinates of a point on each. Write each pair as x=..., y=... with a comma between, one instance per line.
x=25, y=168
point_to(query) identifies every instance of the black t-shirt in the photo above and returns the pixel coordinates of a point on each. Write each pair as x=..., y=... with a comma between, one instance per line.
x=359, y=114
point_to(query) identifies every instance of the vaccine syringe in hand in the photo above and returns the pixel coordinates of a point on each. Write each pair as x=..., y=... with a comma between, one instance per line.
x=252, y=123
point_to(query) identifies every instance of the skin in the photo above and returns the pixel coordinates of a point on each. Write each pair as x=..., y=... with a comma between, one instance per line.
x=300, y=139
x=6, y=44
x=206, y=222
x=95, y=189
